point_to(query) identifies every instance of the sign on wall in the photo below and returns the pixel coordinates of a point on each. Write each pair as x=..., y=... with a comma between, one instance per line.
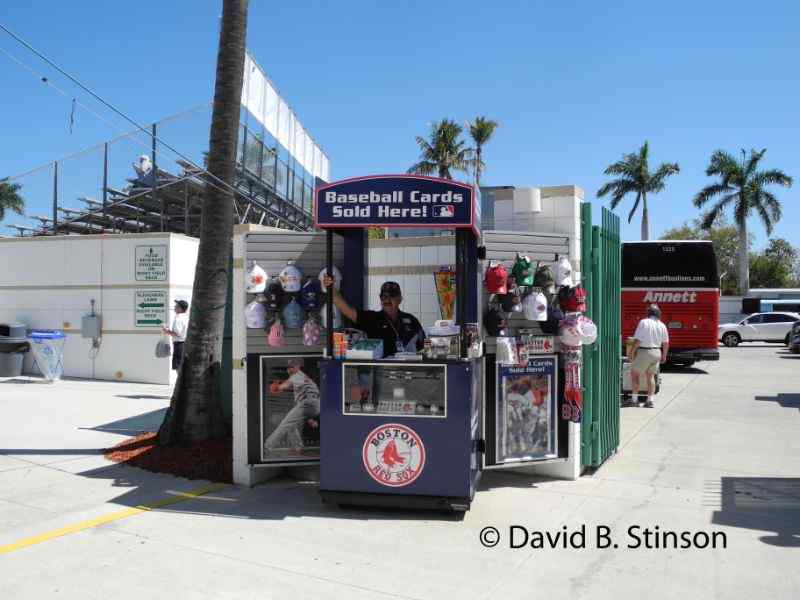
x=395, y=201
x=151, y=263
x=150, y=308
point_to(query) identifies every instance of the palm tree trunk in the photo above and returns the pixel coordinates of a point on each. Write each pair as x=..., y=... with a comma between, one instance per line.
x=195, y=411
x=744, y=259
x=478, y=165
x=645, y=220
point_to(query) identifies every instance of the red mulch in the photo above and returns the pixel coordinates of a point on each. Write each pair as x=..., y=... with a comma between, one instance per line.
x=211, y=460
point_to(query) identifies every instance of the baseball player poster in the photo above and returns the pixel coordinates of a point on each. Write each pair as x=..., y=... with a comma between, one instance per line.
x=290, y=400
x=526, y=406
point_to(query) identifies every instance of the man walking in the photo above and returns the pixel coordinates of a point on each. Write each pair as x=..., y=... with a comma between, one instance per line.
x=306, y=405
x=180, y=325
x=648, y=351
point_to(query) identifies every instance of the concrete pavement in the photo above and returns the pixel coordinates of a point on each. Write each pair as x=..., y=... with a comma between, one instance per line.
x=719, y=453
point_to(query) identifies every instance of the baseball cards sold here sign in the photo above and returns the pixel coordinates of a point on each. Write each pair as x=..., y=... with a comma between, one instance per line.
x=396, y=201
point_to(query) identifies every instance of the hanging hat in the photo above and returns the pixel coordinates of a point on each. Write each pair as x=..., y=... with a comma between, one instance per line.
x=337, y=276
x=554, y=317
x=337, y=316
x=587, y=330
x=511, y=302
x=572, y=299
x=543, y=277
x=563, y=272
x=293, y=315
x=494, y=322
x=311, y=295
x=255, y=315
x=568, y=332
x=291, y=277
x=496, y=279
x=274, y=297
x=534, y=305
x=275, y=337
x=312, y=331
x=522, y=271
x=256, y=280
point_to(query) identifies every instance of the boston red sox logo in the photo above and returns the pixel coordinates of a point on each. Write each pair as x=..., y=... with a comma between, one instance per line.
x=393, y=455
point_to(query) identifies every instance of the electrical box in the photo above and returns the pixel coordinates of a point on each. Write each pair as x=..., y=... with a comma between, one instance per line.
x=91, y=327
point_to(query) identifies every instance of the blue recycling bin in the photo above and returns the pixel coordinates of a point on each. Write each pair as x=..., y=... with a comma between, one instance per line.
x=47, y=346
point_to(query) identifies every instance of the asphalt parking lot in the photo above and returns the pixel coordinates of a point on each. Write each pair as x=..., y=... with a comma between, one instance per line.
x=720, y=452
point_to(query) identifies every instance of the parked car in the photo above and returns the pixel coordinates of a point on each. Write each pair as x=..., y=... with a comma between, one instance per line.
x=794, y=339
x=759, y=327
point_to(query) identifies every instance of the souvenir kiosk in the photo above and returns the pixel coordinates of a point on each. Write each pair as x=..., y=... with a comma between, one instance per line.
x=408, y=431
x=400, y=432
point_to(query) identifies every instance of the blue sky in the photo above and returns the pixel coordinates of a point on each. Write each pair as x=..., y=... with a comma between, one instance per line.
x=573, y=85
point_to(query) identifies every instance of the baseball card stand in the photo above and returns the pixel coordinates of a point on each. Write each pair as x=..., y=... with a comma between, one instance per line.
x=402, y=434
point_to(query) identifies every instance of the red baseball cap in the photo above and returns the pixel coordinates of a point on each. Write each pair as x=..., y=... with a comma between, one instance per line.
x=496, y=279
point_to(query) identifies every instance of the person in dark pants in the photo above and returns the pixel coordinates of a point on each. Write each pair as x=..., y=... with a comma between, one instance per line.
x=180, y=324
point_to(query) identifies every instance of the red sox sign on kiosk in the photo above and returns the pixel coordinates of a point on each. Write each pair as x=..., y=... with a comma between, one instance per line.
x=393, y=455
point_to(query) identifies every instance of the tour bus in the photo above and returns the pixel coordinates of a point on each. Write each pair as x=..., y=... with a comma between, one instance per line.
x=681, y=278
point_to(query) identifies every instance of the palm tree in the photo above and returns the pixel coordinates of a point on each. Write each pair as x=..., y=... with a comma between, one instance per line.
x=481, y=131
x=195, y=411
x=742, y=186
x=443, y=152
x=636, y=178
x=10, y=199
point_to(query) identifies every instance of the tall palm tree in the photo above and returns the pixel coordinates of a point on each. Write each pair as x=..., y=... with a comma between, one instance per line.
x=481, y=131
x=443, y=152
x=742, y=185
x=195, y=411
x=635, y=178
x=10, y=199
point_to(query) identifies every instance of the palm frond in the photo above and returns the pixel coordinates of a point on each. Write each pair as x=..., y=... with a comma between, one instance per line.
x=709, y=192
x=765, y=218
x=751, y=162
x=772, y=177
x=424, y=167
x=481, y=130
x=723, y=164
x=657, y=179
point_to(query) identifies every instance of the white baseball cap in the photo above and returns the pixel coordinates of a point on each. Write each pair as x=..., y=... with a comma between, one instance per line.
x=534, y=306
x=337, y=276
x=563, y=273
x=255, y=315
x=256, y=281
x=291, y=278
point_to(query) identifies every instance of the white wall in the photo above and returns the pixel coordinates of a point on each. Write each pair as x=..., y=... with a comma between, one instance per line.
x=49, y=282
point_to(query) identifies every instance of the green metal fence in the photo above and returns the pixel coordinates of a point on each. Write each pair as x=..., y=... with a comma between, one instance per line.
x=600, y=272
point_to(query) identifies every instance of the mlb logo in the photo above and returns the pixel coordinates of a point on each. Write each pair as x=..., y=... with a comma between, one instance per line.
x=444, y=211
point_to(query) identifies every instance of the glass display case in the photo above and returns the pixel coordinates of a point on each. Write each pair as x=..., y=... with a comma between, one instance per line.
x=407, y=390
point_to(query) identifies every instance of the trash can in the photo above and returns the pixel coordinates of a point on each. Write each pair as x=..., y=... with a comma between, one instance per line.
x=13, y=346
x=47, y=346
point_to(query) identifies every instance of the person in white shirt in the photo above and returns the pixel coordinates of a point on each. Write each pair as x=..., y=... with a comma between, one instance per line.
x=180, y=325
x=648, y=352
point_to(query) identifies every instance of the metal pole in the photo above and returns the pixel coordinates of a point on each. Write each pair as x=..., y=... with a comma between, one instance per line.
x=55, y=198
x=329, y=303
x=105, y=182
x=155, y=179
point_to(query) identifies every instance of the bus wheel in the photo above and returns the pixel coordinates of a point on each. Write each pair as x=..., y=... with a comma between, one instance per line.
x=731, y=340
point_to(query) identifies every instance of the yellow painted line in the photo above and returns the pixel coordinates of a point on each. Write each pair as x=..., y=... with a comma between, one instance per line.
x=115, y=516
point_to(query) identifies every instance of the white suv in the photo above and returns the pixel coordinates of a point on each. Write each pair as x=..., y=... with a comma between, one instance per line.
x=759, y=327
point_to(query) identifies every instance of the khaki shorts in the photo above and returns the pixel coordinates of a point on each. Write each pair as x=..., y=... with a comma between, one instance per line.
x=646, y=361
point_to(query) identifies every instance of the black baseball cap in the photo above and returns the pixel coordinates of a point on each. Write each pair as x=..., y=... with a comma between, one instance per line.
x=392, y=288
x=183, y=304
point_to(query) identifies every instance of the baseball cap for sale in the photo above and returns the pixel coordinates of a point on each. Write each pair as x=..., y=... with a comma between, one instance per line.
x=255, y=315
x=563, y=272
x=522, y=271
x=535, y=307
x=311, y=295
x=496, y=279
x=291, y=277
x=276, y=336
x=256, y=280
x=572, y=299
x=494, y=322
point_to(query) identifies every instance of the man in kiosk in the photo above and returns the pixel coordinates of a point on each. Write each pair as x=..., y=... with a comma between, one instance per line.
x=400, y=331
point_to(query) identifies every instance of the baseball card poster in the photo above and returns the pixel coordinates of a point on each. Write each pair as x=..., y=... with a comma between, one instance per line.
x=526, y=410
x=290, y=405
